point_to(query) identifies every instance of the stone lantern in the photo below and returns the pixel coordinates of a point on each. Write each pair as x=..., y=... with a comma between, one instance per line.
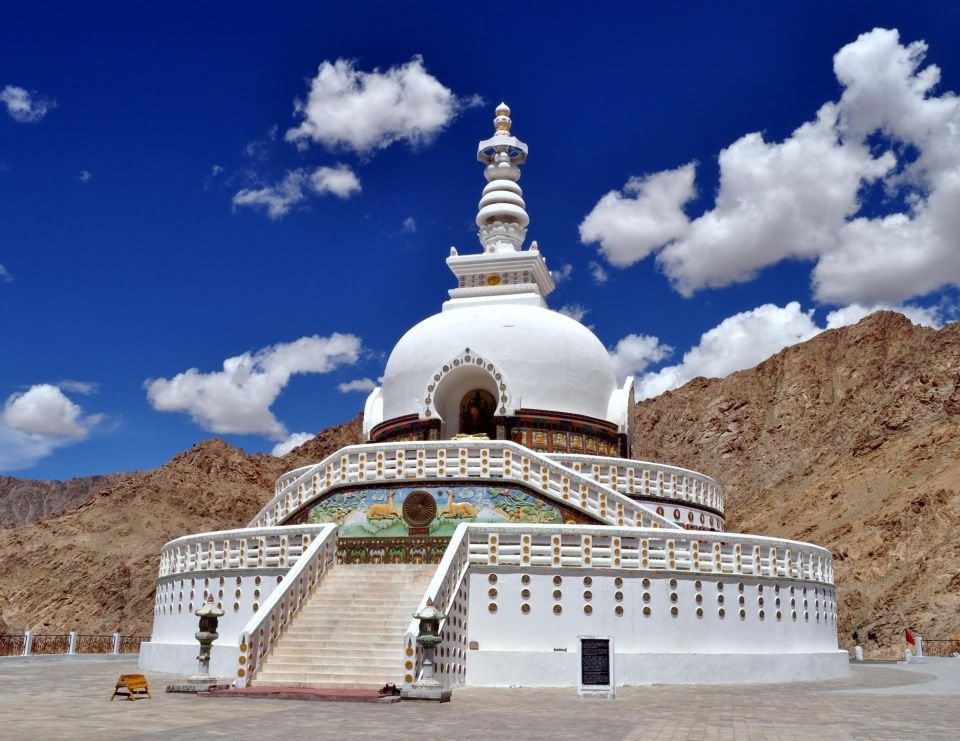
x=209, y=615
x=206, y=634
x=426, y=687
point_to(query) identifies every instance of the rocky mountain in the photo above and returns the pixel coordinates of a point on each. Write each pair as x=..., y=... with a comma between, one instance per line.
x=852, y=441
x=849, y=440
x=24, y=500
x=93, y=568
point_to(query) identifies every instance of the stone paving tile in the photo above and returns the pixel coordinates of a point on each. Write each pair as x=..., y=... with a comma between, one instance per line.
x=68, y=698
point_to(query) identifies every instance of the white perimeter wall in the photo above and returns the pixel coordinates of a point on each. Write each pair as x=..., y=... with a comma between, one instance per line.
x=540, y=647
x=173, y=648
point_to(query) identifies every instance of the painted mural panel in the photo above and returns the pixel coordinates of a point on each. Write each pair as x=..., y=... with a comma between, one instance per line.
x=433, y=511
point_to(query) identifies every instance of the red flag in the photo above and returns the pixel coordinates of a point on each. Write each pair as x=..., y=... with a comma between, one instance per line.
x=909, y=636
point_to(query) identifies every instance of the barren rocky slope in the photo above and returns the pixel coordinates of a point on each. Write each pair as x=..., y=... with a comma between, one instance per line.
x=25, y=500
x=850, y=441
x=92, y=569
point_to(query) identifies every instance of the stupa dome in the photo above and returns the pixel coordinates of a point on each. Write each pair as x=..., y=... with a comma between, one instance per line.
x=546, y=361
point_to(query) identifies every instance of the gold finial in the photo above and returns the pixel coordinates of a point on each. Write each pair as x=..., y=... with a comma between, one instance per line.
x=502, y=122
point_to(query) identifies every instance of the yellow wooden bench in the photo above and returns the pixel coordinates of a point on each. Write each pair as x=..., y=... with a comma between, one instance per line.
x=135, y=686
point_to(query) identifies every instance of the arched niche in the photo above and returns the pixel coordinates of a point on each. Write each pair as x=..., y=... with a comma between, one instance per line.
x=454, y=396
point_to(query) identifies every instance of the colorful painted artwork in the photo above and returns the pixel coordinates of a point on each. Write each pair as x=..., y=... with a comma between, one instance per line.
x=432, y=511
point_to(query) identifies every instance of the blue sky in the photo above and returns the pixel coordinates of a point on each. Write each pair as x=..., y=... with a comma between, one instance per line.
x=141, y=150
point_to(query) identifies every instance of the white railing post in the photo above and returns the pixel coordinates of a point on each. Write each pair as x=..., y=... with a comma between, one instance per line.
x=116, y=644
x=27, y=642
x=72, y=649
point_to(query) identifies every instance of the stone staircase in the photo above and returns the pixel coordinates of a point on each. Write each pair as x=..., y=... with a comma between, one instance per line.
x=350, y=632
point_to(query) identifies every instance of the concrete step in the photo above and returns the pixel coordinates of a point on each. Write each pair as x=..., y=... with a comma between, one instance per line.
x=375, y=657
x=340, y=678
x=384, y=667
x=347, y=643
x=350, y=633
x=328, y=685
x=375, y=618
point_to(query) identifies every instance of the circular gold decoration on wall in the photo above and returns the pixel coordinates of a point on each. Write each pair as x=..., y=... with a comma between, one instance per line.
x=525, y=608
x=419, y=508
x=493, y=280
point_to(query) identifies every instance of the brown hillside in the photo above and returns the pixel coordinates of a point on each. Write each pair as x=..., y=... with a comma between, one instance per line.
x=93, y=568
x=850, y=441
x=24, y=500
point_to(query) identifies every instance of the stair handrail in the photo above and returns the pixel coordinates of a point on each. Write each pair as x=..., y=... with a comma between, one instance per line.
x=270, y=622
x=442, y=591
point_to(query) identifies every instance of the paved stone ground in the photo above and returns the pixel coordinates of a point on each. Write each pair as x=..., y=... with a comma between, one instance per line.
x=68, y=698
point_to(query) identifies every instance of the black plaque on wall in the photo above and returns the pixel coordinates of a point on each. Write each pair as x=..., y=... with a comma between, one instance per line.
x=595, y=662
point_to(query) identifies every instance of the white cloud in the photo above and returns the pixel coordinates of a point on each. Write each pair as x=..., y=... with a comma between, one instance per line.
x=339, y=180
x=36, y=422
x=931, y=316
x=634, y=353
x=750, y=337
x=562, y=275
x=409, y=225
x=238, y=398
x=646, y=215
x=44, y=410
x=294, y=441
x=85, y=176
x=598, y=273
x=278, y=199
x=5, y=276
x=804, y=197
x=25, y=106
x=357, y=384
x=87, y=388
x=574, y=311
x=365, y=111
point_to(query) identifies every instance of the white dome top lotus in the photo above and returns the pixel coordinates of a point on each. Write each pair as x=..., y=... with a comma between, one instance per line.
x=496, y=333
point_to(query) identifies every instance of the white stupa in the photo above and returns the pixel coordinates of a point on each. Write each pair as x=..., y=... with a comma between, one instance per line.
x=496, y=480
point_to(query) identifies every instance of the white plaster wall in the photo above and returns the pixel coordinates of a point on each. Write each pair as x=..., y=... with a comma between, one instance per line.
x=683, y=514
x=178, y=597
x=532, y=669
x=181, y=658
x=539, y=647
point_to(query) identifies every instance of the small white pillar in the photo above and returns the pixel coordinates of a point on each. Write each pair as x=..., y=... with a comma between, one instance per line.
x=72, y=650
x=907, y=656
x=27, y=642
x=116, y=643
x=919, y=645
x=858, y=653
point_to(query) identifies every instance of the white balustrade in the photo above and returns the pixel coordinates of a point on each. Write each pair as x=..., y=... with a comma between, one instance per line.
x=470, y=460
x=265, y=628
x=583, y=546
x=255, y=547
x=646, y=479
x=448, y=594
